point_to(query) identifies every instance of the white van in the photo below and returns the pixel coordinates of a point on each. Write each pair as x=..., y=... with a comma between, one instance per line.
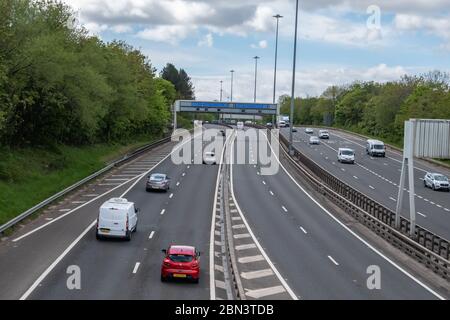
x=117, y=218
x=323, y=134
x=240, y=125
x=375, y=148
x=282, y=124
x=346, y=155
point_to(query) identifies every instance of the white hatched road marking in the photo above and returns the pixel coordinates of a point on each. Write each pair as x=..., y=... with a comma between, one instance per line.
x=257, y=274
x=250, y=259
x=245, y=246
x=334, y=261
x=260, y=293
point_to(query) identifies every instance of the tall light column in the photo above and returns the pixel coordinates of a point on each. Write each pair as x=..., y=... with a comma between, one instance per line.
x=231, y=93
x=256, y=73
x=291, y=117
x=277, y=16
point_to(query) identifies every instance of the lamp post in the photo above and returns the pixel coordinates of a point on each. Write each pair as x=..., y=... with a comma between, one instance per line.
x=291, y=117
x=277, y=16
x=231, y=93
x=256, y=72
x=221, y=90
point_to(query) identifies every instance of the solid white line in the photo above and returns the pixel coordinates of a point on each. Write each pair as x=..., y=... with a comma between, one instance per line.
x=334, y=261
x=251, y=234
x=53, y=265
x=151, y=234
x=162, y=211
x=136, y=267
x=423, y=285
x=304, y=231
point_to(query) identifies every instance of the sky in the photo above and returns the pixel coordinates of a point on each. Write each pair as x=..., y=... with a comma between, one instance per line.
x=339, y=41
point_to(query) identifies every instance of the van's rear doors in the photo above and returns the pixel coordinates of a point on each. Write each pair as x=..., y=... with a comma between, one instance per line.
x=112, y=221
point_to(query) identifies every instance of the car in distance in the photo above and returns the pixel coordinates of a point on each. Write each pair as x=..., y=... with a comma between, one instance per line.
x=181, y=262
x=269, y=125
x=375, y=148
x=294, y=129
x=309, y=131
x=209, y=157
x=157, y=181
x=323, y=134
x=282, y=124
x=314, y=140
x=240, y=125
x=436, y=181
x=346, y=155
x=117, y=218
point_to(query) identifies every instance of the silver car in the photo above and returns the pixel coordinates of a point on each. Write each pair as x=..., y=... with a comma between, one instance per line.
x=436, y=181
x=158, y=181
x=314, y=140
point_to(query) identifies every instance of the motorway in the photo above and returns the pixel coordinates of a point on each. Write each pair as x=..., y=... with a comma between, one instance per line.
x=312, y=254
x=379, y=178
x=319, y=257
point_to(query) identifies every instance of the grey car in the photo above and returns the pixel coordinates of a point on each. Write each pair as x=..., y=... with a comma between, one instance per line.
x=158, y=181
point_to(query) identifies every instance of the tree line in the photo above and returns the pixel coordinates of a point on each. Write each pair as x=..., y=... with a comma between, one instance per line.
x=376, y=109
x=58, y=84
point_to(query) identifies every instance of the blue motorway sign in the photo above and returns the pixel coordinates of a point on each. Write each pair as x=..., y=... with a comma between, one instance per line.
x=225, y=107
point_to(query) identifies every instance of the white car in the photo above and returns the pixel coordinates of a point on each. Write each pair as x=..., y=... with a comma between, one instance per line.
x=117, y=218
x=436, y=181
x=240, y=125
x=209, y=158
x=346, y=155
x=314, y=140
x=323, y=134
x=309, y=131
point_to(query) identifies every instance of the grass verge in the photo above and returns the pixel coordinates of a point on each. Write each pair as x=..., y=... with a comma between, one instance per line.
x=29, y=176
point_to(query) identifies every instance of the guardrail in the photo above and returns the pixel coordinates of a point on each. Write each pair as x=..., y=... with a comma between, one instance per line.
x=426, y=247
x=93, y=176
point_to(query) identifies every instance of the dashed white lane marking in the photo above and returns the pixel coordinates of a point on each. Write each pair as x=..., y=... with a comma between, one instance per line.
x=355, y=177
x=49, y=219
x=393, y=199
x=304, y=231
x=342, y=169
x=271, y=193
x=245, y=246
x=446, y=209
x=371, y=187
x=256, y=274
x=178, y=183
x=136, y=267
x=183, y=174
x=151, y=234
x=188, y=167
x=64, y=210
x=421, y=214
x=264, y=182
x=92, y=195
x=170, y=196
x=241, y=236
x=163, y=210
x=259, y=293
x=332, y=260
x=250, y=259
x=78, y=202
x=284, y=208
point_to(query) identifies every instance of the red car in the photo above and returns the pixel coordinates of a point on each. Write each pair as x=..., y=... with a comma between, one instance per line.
x=181, y=262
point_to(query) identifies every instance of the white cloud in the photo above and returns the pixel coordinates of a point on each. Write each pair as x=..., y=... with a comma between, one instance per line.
x=169, y=34
x=310, y=81
x=438, y=26
x=261, y=45
x=207, y=41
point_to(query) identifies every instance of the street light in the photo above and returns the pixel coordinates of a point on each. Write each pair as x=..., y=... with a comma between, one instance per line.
x=231, y=93
x=277, y=16
x=221, y=90
x=291, y=118
x=256, y=72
